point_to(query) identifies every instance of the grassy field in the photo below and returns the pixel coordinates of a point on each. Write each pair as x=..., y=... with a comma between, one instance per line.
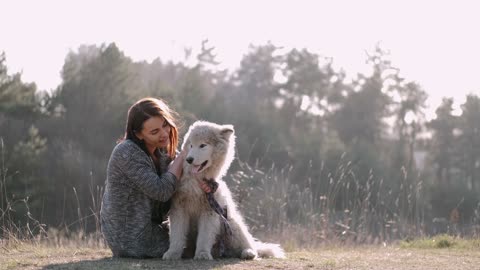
x=406, y=256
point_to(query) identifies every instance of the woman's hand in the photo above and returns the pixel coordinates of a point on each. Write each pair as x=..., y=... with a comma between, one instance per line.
x=203, y=185
x=182, y=156
x=176, y=166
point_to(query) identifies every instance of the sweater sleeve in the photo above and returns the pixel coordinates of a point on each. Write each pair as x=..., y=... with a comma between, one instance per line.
x=138, y=169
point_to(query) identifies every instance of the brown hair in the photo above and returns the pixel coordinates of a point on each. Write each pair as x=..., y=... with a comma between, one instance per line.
x=143, y=110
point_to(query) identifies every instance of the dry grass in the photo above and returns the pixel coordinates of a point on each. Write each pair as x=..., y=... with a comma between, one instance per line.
x=442, y=241
x=25, y=256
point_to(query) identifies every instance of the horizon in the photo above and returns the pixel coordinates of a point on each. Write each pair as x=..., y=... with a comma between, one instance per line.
x=434, y=46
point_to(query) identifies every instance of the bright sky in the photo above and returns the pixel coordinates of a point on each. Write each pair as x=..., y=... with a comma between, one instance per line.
x=432, y=42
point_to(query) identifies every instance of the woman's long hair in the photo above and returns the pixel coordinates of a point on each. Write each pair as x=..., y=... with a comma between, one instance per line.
x=143, y=110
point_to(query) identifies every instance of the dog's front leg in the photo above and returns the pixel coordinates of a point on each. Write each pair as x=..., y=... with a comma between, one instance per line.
x=179, y=222
x=208, y=229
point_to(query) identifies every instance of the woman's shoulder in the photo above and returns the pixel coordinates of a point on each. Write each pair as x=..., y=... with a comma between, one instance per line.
x=126, y=149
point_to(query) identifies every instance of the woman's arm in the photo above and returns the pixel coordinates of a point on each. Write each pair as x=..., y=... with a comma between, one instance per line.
x=137, y=167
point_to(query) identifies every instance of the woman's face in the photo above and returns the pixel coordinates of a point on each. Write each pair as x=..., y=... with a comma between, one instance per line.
x=155, y=133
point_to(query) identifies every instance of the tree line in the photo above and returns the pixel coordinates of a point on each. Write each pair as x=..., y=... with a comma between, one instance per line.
x=293, y=113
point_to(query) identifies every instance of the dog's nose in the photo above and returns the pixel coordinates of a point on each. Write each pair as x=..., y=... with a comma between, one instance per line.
x=189, y=160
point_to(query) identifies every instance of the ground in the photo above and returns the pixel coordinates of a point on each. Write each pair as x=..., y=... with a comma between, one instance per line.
x=365, y=257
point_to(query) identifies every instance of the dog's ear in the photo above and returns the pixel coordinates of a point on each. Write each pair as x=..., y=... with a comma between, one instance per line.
x=226, y=131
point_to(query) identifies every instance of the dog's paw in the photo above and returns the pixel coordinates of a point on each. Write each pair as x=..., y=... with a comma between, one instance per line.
x=172, y=255
x=203, y=255
x=248, y=254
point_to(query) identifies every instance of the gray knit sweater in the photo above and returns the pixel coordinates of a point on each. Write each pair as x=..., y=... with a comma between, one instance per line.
x=133, y=189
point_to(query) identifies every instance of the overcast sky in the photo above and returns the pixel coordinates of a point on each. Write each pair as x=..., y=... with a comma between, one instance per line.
x=432, y=42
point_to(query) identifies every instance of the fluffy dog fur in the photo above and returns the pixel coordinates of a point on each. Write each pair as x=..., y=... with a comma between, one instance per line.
x=211, y=151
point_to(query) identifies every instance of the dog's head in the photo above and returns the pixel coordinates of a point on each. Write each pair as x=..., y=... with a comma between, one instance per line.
x=210, y=148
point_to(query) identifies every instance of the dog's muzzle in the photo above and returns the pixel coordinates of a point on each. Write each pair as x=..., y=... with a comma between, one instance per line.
x=198, y=168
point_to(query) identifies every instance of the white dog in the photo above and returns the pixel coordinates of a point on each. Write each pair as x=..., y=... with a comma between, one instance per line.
x=211, y=151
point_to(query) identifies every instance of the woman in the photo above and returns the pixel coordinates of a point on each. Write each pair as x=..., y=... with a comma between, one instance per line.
x=141, y=178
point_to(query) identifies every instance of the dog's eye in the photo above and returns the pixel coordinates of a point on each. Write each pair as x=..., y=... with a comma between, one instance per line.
x=202, y=145
x=191, y=146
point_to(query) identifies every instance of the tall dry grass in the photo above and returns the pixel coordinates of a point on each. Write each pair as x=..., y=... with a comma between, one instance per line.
x=16, y=232
x=336, y=208
x=339, y=208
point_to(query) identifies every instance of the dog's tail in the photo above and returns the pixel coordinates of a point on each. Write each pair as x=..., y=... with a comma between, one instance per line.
x=269, y=250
